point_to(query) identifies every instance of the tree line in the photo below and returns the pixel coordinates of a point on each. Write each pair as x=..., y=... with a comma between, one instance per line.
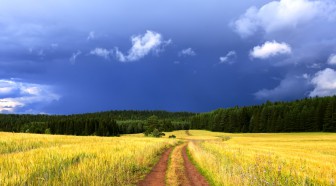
x=111, y=123
x=68, y=125
x=307, y=115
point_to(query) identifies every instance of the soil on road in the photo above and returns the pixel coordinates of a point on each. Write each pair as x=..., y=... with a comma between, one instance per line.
x=189, y=176
x=157, y=176
x=194, y=177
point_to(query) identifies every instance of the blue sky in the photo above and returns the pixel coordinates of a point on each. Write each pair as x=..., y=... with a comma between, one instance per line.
x=64, y=57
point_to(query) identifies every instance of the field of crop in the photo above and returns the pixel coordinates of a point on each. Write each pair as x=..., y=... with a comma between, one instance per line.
x=223, y=158
x=266, y=159
x=30, y=159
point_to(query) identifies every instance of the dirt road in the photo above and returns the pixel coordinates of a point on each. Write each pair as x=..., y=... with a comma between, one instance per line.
x=157, y=176
x=184, y=173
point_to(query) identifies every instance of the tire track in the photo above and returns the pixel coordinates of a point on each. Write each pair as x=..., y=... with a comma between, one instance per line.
x=157, y=176
x=182, y=171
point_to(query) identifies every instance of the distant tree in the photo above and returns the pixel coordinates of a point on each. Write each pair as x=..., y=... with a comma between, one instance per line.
x=330, y=117
x=156, y=133
x=47, y=131
x=151, y=124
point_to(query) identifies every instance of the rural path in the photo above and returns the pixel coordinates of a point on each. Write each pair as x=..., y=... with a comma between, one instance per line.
x=157, y=176
x=194, y=177
x=179, y=172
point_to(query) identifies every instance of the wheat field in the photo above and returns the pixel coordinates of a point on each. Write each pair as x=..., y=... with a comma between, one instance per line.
x=32, y=159
x=266, y=159
x=223, y=158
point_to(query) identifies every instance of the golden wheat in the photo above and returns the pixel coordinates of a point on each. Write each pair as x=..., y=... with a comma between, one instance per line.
x=267, y=159
x=31, y=159
x=225, y=159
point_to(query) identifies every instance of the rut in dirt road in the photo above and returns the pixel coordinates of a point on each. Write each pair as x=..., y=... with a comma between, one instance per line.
x=194, y=177
x=181, y=172
x=157, y=176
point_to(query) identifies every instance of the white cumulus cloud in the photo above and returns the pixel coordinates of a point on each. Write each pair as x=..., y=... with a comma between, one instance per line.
x=74, y=56
x=16, y=96
x=332, y=59
x=142, y=45
x=228, y=58
x=187, y=52
x=324, y=82
x=101, y=52
x=277, y=15
x=91, y=36
x=270, y=49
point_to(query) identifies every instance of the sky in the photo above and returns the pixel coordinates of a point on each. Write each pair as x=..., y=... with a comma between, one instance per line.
x=67, y=57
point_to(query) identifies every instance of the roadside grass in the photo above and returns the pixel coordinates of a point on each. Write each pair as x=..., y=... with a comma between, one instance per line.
x=175, y=175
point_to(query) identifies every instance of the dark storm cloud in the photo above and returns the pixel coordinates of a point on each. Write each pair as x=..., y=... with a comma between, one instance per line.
x=73, y=50
x=306, y=30
x=289, y=88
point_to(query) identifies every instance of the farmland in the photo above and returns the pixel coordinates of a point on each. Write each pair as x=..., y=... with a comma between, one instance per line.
x=223, y=158
x=267, y=159
x=30, y=159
